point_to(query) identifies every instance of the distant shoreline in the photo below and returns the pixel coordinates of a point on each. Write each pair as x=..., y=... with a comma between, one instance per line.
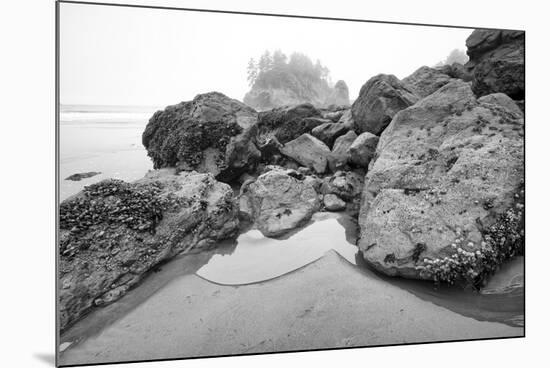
x=84, y=108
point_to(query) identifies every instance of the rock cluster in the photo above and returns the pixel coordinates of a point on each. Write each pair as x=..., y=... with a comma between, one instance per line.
x=432, y=165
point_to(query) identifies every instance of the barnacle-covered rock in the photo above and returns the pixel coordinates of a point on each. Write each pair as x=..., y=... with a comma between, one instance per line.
x=447, y=169
x=113, y=232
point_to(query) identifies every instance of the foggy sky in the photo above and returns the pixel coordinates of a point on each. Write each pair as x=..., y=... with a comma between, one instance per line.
x=132, y=56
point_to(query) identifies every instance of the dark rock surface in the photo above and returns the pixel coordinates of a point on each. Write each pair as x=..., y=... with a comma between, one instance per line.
x=113, y=233
x=80, y=176
x=212, y=133
x=288, y=122
x=456, y=70
x=279, y=201
x=328, y=132
x=379, y=100
x=497, y=62
x=442, y=200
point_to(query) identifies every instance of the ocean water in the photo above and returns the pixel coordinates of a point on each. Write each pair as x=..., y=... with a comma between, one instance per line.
x=104, y=139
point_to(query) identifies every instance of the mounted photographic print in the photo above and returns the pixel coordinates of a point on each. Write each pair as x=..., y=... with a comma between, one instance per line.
x=236, y=183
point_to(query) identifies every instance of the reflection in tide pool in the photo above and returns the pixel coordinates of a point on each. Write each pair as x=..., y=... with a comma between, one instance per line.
x=257, y=258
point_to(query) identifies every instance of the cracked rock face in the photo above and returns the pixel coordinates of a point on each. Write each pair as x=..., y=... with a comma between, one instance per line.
x=279, y=201
x=113, y=233
x=447, y=168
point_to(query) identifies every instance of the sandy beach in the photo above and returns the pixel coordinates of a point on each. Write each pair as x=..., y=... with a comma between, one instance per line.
x=334, y=304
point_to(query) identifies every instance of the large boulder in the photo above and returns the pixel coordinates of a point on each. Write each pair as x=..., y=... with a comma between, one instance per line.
x=328, y=132
x=425, y=81
x=442, y=200
x=289, y=122
x=212, y=133
x=112, y=233
x=340, y=155
x=379, y=100
x=339, y=95
x=279, y=201
x=363, y=149
x=308, y=151
x=497, y=62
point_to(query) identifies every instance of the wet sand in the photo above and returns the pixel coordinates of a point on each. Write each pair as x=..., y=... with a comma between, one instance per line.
x=103, y=140
x=327, y=304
